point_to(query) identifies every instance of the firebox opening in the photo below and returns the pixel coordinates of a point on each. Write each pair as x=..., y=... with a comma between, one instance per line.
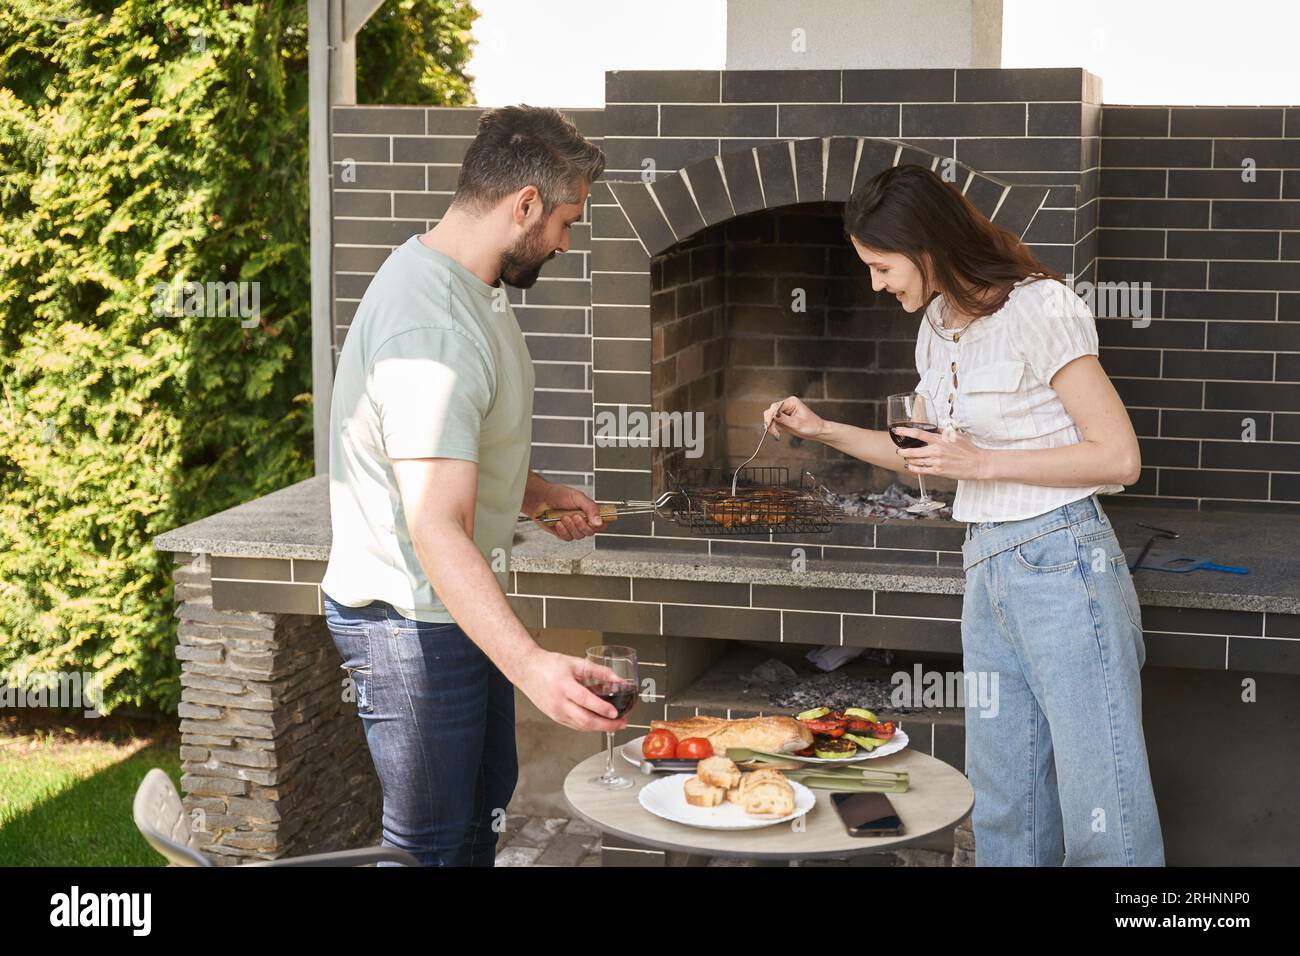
x=766, y=305
x=750, y=677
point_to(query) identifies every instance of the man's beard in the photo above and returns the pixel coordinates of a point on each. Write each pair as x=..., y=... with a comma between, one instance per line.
x=522, y=263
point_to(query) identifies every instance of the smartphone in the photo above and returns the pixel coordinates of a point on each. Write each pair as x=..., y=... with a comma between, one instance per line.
x=867, y=814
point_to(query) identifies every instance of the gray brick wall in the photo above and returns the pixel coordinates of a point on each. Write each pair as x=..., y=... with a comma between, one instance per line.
x=395, y=170
x=1221, y=250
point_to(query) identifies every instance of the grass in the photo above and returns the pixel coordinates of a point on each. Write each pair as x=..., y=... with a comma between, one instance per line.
x=66, y=787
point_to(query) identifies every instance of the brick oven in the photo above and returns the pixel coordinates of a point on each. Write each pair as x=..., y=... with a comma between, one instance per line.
x=728, y=283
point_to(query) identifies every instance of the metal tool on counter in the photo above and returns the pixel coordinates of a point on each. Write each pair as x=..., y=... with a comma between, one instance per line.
x=1163, y=560
x=1159, y=533
x=1159, y=560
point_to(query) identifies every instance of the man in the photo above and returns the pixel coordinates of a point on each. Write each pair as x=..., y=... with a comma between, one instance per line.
x=430, y=430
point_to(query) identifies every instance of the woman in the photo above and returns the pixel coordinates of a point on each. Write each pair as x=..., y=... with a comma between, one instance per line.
x=1032, y=431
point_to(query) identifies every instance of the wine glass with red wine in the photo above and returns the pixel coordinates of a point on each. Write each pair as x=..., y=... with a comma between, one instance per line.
x=913, y=410
x=621, y=693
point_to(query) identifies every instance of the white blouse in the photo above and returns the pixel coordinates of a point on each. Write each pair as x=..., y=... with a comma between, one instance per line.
x=991, y=384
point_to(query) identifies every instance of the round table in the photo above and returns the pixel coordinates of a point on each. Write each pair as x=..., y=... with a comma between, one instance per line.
x=938, y=797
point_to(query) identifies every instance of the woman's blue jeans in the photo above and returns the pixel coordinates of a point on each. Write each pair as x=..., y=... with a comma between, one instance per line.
x=1059, y=766
x=439, y=719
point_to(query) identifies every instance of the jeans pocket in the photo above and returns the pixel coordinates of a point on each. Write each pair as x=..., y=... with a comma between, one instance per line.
x=1053, y=553
x=1124, y=581
x=353, y=645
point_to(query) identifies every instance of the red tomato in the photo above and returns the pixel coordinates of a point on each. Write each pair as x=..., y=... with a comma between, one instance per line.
x=694, y=748
x=659, y=745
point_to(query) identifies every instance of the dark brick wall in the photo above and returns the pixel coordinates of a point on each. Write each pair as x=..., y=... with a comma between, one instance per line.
x=1221, y=354
x=395, y=170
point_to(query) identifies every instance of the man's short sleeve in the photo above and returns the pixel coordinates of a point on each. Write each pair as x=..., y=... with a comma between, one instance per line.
x=1055, y=328
x=432, y=389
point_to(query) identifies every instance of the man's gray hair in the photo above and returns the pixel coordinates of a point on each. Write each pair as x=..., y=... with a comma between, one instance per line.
x=520, y=146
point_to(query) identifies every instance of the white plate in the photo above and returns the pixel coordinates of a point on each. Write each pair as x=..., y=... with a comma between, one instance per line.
x=631, y=751
x=665, y=797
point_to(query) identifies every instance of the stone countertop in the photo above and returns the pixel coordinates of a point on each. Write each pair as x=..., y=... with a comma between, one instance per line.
x=294, y=523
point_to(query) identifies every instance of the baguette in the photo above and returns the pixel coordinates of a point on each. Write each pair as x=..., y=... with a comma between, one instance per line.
x=719, y=772
x=768, y=797
x=700, y=794
x=769, y=734
x=758, y=776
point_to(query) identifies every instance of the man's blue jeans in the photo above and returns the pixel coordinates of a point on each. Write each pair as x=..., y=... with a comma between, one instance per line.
x=1059, y=767
x=439, y=719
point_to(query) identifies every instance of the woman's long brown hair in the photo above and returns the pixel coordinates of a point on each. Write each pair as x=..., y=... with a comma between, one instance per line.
x=910, y=210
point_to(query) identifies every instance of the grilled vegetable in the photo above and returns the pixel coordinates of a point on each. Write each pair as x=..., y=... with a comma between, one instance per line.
x=830, y=728
x=813, y=714
x=834, y=749
x=883, y=730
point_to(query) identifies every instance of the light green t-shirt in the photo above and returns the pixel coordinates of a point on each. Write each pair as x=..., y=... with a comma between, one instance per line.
x=433, y=366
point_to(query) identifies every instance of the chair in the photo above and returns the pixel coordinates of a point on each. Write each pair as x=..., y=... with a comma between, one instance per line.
x=161, y=819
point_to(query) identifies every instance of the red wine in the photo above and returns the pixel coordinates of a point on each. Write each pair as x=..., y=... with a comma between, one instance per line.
x=907, y=441
x=622, y=696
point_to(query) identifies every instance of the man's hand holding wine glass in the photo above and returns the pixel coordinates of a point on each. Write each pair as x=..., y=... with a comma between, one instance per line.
x=560, y=687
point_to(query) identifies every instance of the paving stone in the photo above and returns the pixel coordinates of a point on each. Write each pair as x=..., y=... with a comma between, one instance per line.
x=518, y=856
x=909, y=857
x=564, y=850
x=581, y=826
x=538, y=830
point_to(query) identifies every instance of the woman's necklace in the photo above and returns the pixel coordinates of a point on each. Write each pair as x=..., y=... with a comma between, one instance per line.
x=948, y=335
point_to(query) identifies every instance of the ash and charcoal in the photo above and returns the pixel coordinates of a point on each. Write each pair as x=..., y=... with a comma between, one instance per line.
x=890, y=503
x=780, y=687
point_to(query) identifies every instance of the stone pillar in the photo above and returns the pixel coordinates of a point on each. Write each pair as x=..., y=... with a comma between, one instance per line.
x=275, y=761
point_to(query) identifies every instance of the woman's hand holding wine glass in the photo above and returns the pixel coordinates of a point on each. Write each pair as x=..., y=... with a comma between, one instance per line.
x=913, y=426
x=949, y=455
x=928, y=450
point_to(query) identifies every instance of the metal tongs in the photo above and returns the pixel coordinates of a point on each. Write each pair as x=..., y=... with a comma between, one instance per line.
x=736, y=476
x=609, y=511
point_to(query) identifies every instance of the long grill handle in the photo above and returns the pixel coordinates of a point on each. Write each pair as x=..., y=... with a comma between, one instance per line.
x=608, y=512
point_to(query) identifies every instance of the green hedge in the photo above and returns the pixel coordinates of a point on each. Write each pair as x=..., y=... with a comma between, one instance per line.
x=146, y=143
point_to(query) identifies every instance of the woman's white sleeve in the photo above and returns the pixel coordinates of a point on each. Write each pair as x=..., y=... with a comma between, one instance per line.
x=1055, y=329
